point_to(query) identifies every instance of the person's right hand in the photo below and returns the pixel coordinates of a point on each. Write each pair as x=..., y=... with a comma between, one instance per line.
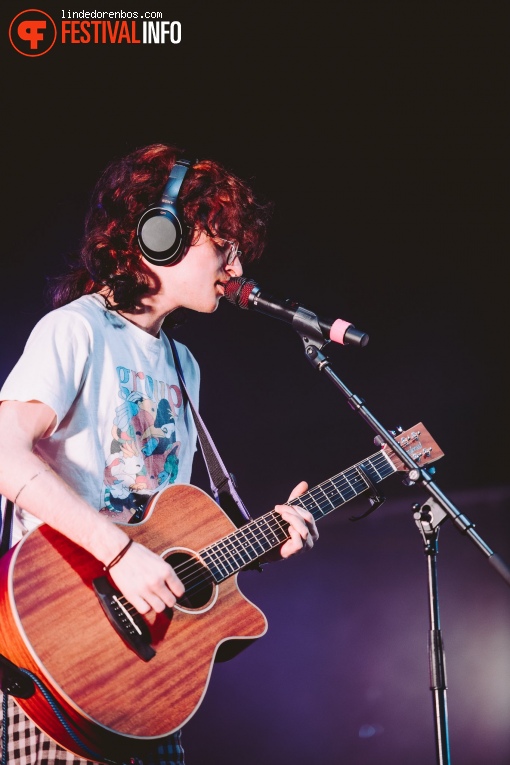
x=146, y=580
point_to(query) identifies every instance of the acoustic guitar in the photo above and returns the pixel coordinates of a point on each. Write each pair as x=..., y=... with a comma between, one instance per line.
x=120, y=683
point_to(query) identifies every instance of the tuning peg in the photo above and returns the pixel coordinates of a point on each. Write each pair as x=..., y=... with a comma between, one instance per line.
x=399, y=429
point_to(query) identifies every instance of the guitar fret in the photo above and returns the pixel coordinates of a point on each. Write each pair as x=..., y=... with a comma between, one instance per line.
x=254, y=540
x=282, y=527
x=347, y=491
x=370, y=472
x=299, y=501
x=335, y=491
x=318, y=507
x=212, y=564
x=228, y=565
x=342, y=486
x=330, y=503
x=249, y=549
x=385, y=465
x=328, y=489
x=223, y=567
x=307, y=502
x=320, y=500
x=235, y=553
x=262, y=529
x=377, y=467
x=262, y=538
x=243, y=547
x=268, y=532
x=348, y=482
x=218, y=569
x=374, y=468
x=356, y=481
x=351, y=485
x=385, y=460
x=247, y=545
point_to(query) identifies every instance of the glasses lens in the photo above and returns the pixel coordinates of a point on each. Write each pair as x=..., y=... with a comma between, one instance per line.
x=230, y=248
x=232, y=252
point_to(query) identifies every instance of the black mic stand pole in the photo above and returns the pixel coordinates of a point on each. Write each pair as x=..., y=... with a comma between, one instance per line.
x=428, y=517
x=307, y=326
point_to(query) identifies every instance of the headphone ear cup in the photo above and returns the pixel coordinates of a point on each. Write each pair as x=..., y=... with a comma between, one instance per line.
x=161, y=233
x=160, y=236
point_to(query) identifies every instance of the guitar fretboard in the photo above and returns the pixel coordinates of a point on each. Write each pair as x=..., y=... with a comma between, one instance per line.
x=229, y=555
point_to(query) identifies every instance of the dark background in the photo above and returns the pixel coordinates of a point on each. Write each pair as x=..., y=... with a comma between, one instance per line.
x=379, y=130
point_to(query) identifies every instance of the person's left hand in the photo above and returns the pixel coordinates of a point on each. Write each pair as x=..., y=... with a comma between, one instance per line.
x=302, y=529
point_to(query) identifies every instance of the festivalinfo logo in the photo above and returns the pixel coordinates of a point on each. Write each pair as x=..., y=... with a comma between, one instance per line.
x=33, y=32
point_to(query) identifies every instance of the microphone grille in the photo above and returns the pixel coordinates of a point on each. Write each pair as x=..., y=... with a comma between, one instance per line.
x=238, y=290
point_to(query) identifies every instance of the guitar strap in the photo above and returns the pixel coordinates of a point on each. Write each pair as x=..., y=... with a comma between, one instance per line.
x=222, y=482
x=6, y=526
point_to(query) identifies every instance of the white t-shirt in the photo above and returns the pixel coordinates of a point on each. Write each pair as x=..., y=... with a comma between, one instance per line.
x=123, y=430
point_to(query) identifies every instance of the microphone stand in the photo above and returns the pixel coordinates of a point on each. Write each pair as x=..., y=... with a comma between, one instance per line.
x=428, y=518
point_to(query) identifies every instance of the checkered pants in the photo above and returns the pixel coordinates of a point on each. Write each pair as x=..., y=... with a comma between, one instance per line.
x=27, y=745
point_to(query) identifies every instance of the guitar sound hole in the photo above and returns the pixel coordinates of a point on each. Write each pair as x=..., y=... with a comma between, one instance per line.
x=195, y=577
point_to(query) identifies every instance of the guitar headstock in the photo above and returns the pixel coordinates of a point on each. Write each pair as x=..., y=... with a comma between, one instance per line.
x=419, y=444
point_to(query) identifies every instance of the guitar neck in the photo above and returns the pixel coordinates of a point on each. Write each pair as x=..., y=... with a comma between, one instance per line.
x=229, y=555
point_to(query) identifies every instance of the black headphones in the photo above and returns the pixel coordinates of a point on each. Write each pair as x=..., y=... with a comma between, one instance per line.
x=162, y=235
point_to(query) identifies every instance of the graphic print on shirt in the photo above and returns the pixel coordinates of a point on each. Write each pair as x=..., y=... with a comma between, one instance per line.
x=144, y=451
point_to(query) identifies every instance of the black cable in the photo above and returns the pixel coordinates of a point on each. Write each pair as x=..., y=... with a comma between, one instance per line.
x=4, y=729
x=59, y=712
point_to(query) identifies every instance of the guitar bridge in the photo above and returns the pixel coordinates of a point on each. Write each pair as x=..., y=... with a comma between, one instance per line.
x=126, y=621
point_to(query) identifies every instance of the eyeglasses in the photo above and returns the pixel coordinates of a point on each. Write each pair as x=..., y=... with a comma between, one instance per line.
x=230, y=248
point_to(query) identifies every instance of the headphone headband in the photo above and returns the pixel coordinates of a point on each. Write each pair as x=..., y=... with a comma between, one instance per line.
x=174, y=183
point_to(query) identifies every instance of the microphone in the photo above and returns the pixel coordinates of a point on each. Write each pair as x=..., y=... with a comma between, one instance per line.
x=246, y=294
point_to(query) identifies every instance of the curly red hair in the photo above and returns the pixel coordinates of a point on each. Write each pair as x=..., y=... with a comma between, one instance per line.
x=212, y=199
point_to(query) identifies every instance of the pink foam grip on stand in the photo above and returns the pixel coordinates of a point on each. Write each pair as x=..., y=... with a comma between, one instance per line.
x=338, y=330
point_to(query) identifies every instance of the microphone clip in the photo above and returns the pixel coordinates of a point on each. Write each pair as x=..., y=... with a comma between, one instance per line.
x=307, y=326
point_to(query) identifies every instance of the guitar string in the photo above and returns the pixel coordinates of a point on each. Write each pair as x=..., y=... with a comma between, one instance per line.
x=197, y=568
x=198, y=571
x=258, y=534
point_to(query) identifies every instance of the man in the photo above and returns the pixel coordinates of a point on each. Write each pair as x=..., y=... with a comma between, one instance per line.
x=93, y=416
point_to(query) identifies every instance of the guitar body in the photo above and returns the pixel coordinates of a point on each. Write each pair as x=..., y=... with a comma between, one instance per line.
x=53, y=625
